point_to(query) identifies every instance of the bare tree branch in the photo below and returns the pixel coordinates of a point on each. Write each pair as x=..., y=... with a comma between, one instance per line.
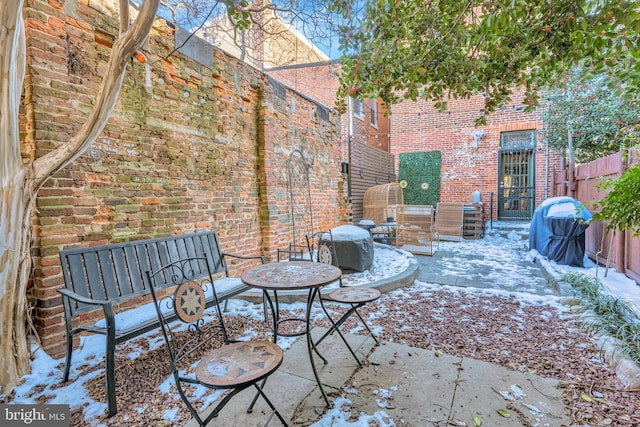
x=122, y=51
x=124, y=15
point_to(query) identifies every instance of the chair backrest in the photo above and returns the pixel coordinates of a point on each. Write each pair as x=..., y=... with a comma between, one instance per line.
x=322, y=249
x=415, y=228
x=416, y=215
x=115, y=272
x=185, y=325
x=449, y=219
x=293, y=252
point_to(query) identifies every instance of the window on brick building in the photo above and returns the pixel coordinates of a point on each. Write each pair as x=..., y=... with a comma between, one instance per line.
x=358, y=108
x=518, y=140
x=374, y=113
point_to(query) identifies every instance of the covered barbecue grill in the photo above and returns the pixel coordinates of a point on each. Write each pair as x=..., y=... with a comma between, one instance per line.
x=557, y=230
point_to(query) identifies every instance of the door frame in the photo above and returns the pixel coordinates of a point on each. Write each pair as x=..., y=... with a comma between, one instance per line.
x=520, y=143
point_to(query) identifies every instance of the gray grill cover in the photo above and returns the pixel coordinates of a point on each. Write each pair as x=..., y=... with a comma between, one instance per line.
x=557, y=230
x=354, y=247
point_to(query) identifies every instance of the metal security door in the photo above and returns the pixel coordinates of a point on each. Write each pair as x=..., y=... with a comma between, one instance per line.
x=516, y=192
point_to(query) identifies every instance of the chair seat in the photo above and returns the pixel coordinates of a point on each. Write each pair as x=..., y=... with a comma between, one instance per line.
x=238, y=363
x=354, y=295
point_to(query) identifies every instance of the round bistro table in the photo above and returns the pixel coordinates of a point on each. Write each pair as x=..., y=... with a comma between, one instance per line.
x=288, y=276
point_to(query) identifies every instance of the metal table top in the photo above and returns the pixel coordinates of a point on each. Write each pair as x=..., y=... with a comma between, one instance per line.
x=291, y=275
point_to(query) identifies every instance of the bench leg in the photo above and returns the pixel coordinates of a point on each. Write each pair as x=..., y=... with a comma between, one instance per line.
x=110, y=373
x=67, y=362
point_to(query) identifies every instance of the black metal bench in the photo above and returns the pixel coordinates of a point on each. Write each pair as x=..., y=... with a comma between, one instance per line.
x=101, y=277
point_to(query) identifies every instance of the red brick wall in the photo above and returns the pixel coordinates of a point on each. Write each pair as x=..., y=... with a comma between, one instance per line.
x=366, y=133
x=201, y=149
x=320, y=82
x=417, y=126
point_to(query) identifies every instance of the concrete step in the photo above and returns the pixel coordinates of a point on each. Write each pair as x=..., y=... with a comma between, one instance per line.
x=508, y=230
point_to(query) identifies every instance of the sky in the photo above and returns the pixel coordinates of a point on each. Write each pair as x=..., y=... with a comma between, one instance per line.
x=311, y=23
x=46, y=376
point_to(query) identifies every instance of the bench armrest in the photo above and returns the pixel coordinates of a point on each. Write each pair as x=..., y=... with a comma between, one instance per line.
x=80, y=298
x=264, y=261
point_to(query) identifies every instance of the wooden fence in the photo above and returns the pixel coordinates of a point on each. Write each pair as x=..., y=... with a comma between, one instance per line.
x=368, y=166
x=619, y=249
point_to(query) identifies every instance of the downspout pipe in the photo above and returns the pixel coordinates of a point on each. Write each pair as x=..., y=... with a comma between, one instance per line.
x=546, y=170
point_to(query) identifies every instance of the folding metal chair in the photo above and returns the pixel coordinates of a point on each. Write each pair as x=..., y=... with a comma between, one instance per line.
x=190, y=333
x=322, y=249
x=293, y=252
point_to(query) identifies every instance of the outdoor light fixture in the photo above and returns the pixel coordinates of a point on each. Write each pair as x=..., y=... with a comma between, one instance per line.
x=478, y=135
x=345, y=167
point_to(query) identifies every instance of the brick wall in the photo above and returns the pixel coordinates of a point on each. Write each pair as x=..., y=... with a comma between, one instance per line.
x=320, y=82
x=417, y=126
x=201, y=148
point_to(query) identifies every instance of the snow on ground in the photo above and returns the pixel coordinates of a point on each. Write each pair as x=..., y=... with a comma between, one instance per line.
x=495, y=261
x=341, y=412
x=614, y=283
x=45, y=380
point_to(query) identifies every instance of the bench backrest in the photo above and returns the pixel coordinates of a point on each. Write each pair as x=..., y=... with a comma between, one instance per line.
x=116, y=272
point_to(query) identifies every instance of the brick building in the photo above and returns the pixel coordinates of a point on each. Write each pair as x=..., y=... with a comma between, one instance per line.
x=199, y=140
x=506, y=157
x=290, y=58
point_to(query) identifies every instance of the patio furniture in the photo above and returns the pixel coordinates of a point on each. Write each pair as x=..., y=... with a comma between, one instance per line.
x=385, y=233
x=322, y=250
x=449, y=221
x=379, y=205
x=109, y=277
x=293, y=252
x=415, y=230
x=366, y=224
x=292, y=276
x=188, y=331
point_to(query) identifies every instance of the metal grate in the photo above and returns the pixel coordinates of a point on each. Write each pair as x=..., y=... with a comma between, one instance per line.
x=516, y=193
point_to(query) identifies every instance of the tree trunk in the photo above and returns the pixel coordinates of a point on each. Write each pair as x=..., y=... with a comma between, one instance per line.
x=15, y=205
x=21, y=181
x=15, y=263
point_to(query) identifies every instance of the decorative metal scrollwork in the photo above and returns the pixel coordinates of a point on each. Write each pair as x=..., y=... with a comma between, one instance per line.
x=299, y=196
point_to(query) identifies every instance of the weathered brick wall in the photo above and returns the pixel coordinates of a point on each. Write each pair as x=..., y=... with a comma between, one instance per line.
x=200, y=148
x=320, y=82
x=417, y=126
